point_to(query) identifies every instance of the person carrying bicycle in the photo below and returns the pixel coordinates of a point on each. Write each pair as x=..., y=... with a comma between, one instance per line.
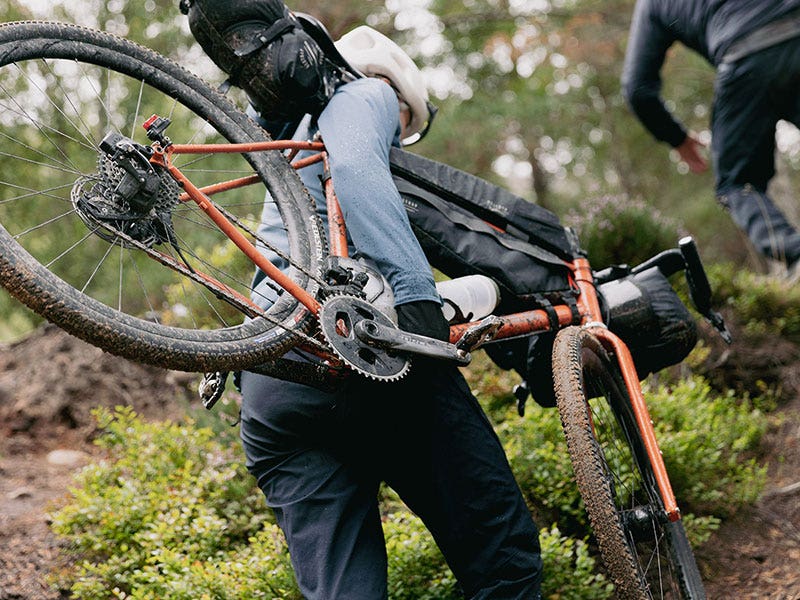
x=755, y=48
x=320, y=456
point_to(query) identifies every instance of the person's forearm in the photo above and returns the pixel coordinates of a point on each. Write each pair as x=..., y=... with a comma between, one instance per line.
x=655, y=117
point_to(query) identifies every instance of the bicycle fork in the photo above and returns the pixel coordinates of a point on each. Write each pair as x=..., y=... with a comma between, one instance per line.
x=592, y=321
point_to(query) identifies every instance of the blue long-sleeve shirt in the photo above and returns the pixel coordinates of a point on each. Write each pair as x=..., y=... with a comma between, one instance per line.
x=708, y=27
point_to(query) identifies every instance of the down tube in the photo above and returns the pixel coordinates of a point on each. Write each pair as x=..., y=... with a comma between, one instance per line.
x=240, y=240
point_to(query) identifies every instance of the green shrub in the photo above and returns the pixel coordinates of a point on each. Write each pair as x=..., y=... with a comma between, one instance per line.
x=709, y=441
x=618, y=230
x=537, y=452
x=172, y=513
x=417, y=570
x=569, y=569
x=166, y=491
x=764, y=305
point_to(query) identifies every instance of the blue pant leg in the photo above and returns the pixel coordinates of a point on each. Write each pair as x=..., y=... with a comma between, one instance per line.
x=326, y=507
x=747, y=107
x=359, y=126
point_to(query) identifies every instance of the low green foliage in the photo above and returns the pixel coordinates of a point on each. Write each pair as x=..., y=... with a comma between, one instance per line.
x=170, y=514
x=569, y=569
x=764, y=305
x=619, y=230
x=709, y=441
x=537, y=452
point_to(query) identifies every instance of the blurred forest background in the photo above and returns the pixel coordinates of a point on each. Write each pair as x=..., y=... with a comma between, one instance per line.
x=529, y=98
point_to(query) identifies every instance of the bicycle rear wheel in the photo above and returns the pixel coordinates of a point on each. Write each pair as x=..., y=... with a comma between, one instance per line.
x=162, y=285
x=646, y=555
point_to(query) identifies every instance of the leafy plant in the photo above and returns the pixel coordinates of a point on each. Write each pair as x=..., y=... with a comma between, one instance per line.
x=709, y=442
x=620, y=230
x=765, y=305
x=171, y=513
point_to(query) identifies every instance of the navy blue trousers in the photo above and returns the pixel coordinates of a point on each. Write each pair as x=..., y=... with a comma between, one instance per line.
x=751, y=96
x=320, y=457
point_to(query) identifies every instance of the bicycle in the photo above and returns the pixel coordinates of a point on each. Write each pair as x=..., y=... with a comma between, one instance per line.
x=141, y=259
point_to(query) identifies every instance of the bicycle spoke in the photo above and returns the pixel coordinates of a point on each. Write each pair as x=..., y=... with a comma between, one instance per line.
x=36, y=151
x=39, y=226
x=53, y=104
x=136, y=113
x=71, y=248
x=97, y=268
x=33, y=193
x=145, y=292
x=67, y=95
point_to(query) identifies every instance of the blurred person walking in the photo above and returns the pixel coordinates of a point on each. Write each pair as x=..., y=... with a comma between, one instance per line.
x=754, y=46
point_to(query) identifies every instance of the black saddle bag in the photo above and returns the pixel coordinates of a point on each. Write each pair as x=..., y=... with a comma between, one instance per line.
x=265, y=50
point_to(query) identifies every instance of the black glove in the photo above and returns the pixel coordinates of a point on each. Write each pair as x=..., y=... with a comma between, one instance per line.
x=423, y=317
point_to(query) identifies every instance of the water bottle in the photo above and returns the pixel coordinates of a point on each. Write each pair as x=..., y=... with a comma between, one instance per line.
x=468, y=298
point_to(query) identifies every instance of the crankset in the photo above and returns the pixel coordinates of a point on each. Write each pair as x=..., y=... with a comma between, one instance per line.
x=371, y=344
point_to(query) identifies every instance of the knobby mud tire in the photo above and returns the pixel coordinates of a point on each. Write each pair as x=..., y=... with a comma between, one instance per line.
x=649, y=559
x=140, y=339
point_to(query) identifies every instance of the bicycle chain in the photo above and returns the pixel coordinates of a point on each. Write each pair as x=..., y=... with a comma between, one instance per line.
x=183, y=269
x=235, y=220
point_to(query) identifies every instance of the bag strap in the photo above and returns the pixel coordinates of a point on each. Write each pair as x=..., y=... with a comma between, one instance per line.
x=263, y=38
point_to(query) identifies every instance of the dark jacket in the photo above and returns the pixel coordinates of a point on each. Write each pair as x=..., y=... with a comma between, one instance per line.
x=708, y=27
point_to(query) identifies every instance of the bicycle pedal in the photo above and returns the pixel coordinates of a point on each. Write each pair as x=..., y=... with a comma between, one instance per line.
x=521, y=392
x=212, y=387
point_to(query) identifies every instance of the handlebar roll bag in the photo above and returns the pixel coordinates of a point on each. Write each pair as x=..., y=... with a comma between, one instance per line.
x=644, y=310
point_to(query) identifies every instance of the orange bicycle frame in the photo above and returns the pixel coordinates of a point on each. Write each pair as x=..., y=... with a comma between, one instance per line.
x=514, y=325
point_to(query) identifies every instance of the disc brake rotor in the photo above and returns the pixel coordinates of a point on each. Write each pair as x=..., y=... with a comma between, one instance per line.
x=338, y=317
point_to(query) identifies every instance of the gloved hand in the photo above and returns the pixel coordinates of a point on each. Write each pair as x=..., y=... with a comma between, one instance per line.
x=423, y=317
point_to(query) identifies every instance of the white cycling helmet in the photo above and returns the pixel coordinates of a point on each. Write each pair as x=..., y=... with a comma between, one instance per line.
x=374, y=54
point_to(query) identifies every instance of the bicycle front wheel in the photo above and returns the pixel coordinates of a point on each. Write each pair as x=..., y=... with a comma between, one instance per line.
x=646, y=555
x=142, y=274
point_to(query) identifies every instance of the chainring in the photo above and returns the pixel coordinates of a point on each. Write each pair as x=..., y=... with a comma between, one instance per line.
x=338, y=317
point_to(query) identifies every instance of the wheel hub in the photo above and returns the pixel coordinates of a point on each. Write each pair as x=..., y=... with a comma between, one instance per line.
x=127, y=194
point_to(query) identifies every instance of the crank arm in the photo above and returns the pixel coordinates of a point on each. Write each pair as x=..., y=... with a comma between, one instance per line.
x=390, y=338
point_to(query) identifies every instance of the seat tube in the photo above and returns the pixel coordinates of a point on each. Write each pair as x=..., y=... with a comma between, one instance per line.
x=337, y=232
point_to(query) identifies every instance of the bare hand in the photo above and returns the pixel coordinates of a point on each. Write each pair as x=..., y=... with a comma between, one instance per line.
x=691, y=153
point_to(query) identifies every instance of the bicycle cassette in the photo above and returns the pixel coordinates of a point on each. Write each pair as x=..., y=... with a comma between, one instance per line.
x=338, y=317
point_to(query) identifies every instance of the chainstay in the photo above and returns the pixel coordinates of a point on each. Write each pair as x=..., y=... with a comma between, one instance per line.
x=236, y=221
x=185, y=270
